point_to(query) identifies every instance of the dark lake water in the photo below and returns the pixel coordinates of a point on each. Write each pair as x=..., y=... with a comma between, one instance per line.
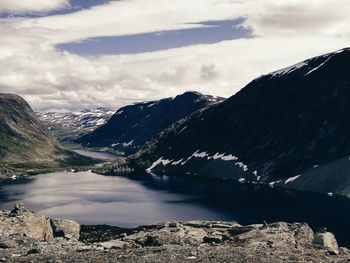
x=98, y=155
x=94, y=199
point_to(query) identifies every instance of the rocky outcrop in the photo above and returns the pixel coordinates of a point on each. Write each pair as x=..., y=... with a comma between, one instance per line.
x=20, y=222
x=28, y=237
x=65, y=228
x=327, y=241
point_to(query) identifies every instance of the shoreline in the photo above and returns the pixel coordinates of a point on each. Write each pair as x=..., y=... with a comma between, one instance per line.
x=29, y=237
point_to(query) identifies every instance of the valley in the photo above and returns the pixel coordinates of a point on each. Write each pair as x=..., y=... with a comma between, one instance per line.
x=187, y=131
x=275, y=151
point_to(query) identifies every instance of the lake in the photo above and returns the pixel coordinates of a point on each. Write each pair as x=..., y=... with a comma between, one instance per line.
x=144, y=199
x=98, y=155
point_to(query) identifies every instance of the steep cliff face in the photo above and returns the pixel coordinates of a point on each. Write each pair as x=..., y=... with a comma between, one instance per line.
x=277, y=127
x=22, y=136
x=133, y=125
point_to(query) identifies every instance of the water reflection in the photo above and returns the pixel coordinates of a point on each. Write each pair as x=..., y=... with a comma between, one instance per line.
x=98, y=155
x=144, y=199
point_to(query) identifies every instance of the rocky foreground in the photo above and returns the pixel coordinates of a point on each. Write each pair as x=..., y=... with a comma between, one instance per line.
x=29, y=237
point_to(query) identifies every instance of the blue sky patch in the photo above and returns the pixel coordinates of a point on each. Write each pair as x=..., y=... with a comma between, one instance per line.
x=215, y=32
x=76, y=5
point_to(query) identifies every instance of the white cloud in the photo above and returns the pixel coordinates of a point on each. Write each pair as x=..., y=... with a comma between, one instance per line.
x=286, y=32
x=130, y=17
x=26, y=6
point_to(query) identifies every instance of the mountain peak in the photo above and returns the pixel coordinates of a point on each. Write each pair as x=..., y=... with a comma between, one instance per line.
x=133, y=125
x=308, y=66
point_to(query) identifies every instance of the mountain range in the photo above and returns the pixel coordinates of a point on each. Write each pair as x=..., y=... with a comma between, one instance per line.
x=67, y=126
x=133, y=125
x=289, y=128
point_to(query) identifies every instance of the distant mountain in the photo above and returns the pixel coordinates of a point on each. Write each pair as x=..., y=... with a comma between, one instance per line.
x=27, y=146
x=133, y=125
x=289, y=128
x=22, y=135
x=70, y=125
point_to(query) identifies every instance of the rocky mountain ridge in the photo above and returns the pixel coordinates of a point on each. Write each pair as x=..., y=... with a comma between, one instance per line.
x=29, y=237
x=68, y=126
x=133, y=125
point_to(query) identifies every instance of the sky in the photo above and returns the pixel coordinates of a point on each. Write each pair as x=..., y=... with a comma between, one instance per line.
x=71, y=55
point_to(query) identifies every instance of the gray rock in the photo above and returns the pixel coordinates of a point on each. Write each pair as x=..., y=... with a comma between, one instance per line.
x=21, y=222
x=68, y=236
x=19, y=209
x=63, y=227
x=8, y=243
x=168, y=236
x=280, y=234
x=114, y=244
x=327, y=241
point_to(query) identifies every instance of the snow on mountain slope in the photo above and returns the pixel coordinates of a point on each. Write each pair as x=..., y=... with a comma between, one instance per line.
x=310, y=65
x=133, y=125
x=69, y=125
x=279, y=126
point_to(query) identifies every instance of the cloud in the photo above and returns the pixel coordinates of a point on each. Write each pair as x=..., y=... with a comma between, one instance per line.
x=27, y=6
x=127, y=17
x=295, y=17
x=285, y=32
x=209, y=72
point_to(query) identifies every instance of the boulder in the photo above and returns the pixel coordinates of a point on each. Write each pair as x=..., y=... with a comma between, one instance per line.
x=37, y=226
x=21, y=222
x=327, y=241
x=65, y=227
x=279, y=234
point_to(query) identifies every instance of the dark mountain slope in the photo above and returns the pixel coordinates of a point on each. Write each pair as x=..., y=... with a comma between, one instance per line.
x=22, y=136
x=278, y=126
x=133, y=125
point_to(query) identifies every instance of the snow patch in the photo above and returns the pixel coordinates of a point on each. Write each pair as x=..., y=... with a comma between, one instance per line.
x=128, y=143
x=100, y=122
x=291, y=179
x=200, y=155
x=314, y=69
x=229, y=157
x=150, y=105
x=288, y=69
x=177, y=162
x=184, y=128
x=162, y=161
